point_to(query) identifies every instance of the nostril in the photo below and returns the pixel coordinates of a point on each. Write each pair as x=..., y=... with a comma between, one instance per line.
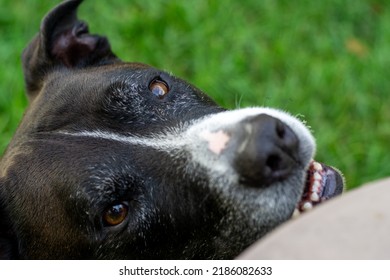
x=279, y=166
x=285, y=138
x=273, y=162
x=264, y=171
x=280, y=129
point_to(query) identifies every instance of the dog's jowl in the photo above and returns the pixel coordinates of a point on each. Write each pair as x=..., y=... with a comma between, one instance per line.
x=117, y=160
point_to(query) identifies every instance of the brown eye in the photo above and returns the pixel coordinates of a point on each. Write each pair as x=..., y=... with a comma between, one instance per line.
x=159, y=88
x=115, y=214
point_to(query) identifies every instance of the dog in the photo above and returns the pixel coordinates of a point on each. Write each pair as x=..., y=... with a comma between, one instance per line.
x=117, y=160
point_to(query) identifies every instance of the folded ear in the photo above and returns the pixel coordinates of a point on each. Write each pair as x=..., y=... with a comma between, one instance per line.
x=8, y=241
x=63, y=41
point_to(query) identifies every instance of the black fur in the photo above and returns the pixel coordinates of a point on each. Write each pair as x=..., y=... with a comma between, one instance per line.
x=56, y=185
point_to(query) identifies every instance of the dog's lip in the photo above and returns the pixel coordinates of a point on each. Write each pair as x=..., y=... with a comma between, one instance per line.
x=322, y=183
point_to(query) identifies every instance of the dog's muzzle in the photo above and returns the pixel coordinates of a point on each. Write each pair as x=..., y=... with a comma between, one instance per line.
x=267, y=147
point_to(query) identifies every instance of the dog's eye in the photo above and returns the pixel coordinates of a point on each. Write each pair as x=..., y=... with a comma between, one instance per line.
x=159, y=88
x=115, y=214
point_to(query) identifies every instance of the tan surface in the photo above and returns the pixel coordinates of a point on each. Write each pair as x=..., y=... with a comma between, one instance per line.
x=355, y=225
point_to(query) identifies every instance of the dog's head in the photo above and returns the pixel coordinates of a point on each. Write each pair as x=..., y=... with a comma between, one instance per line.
x=122, y=160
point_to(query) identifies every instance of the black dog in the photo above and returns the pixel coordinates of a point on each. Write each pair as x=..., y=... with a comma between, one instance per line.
x=118, y=160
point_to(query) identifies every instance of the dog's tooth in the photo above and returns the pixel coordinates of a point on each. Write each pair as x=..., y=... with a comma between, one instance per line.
x=316, y=186
x=296, y=213
x=317, y=166
x=307, y=206
x=317, y=176
x=314, y=197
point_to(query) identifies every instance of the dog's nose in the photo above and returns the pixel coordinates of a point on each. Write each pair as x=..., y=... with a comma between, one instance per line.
x=265, y=150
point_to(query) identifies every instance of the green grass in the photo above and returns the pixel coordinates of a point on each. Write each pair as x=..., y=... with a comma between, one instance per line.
x=327, y=61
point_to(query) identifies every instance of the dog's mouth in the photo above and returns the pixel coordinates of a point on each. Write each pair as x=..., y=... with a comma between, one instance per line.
x=322, y=183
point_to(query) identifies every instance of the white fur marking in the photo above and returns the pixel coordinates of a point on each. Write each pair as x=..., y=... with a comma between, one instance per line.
x=158, y=142
x=190, y=137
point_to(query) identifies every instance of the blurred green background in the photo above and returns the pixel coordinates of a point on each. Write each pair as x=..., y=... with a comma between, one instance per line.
x=326, y=61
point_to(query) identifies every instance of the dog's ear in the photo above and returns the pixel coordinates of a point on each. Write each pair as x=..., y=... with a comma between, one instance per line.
x=8, y=243
x=63, y=41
